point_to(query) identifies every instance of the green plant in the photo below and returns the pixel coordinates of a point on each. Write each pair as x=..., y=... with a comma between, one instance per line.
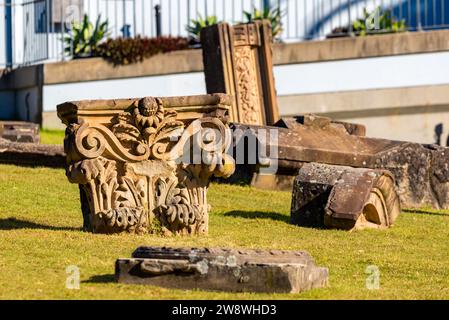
x=122, y=51
x=83, y=37
x=274, y=15
x=196, y=25
x=381, y=22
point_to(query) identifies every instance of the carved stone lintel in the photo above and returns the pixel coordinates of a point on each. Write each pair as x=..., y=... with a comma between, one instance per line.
x=136, y=171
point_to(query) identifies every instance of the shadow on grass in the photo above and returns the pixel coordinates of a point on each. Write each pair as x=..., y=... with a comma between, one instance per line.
x=14, y=224
x=103, y=278
x=258, y=215
x=428, y=212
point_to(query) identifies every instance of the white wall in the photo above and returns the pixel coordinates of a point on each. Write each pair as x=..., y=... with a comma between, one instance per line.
x=166, y=85
x=345, y=75
x=418, y=127
x=359, y=74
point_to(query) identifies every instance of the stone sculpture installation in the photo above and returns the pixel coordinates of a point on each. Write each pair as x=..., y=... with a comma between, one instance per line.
x=134, y=160
x=235, y=270
x=395, y=173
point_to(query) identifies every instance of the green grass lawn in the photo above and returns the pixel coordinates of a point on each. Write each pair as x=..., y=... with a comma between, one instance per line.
x=49, y=136
x=40, y=236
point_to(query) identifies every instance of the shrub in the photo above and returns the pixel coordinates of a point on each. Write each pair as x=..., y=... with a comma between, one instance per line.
x=274, y=15
x=123, y=51
x=387, y=23
x=196, y=25
x=83, y=38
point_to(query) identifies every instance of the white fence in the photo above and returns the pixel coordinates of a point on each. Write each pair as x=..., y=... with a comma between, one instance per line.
x=37, y=26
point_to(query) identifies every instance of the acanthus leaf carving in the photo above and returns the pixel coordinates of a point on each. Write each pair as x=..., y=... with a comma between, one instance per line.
x=175, y=210
x=129, y=219
x=131, y=172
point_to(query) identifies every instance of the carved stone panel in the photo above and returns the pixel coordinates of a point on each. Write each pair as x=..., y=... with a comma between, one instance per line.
x=238, y=61
x=135, y=171
x=249, y=102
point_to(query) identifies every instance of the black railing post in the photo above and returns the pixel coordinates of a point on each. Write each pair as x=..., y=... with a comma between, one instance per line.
x=157, y=10
x=8, y=33
x=350, y=18
x=266, y=5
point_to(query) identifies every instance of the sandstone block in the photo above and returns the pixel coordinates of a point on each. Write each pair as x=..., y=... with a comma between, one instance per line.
x=234, y=270
x=344, y=197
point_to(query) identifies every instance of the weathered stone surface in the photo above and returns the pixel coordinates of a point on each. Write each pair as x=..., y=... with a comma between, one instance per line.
x=311, y=120
x=238, y=61
x=145, y=162
x=344, y=197
x=232, y=270
x=19, y=131
x=420, y=172
x=32, y=154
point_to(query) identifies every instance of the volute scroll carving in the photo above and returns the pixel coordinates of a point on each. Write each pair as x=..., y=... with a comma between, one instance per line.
x=145, y=167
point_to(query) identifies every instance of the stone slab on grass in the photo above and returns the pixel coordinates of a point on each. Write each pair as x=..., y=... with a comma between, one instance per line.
x=32, y=154
x=234, y=270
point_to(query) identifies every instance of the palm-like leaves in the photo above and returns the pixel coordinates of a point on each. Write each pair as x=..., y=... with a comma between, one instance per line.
x=196, y=25
x=386, y=22
x=84, y=37
x=274, y=15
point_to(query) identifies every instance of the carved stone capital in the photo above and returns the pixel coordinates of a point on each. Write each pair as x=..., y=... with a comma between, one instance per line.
x=146, y=167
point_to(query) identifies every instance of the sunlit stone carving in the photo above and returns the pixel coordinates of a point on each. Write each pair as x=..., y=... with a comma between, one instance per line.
x=145, y=164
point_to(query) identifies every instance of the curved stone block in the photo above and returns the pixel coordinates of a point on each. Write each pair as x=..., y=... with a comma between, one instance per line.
x=344, y=197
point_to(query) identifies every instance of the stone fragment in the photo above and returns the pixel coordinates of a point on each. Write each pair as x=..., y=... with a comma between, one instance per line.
x=234, y=270
x=237, y=61
x=32, y=154
x=420, y=171
x=344, y=197
x=19, y=131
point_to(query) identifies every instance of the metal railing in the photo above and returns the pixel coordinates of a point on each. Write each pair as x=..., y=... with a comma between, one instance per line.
x=23, y=32
x=32, y=29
